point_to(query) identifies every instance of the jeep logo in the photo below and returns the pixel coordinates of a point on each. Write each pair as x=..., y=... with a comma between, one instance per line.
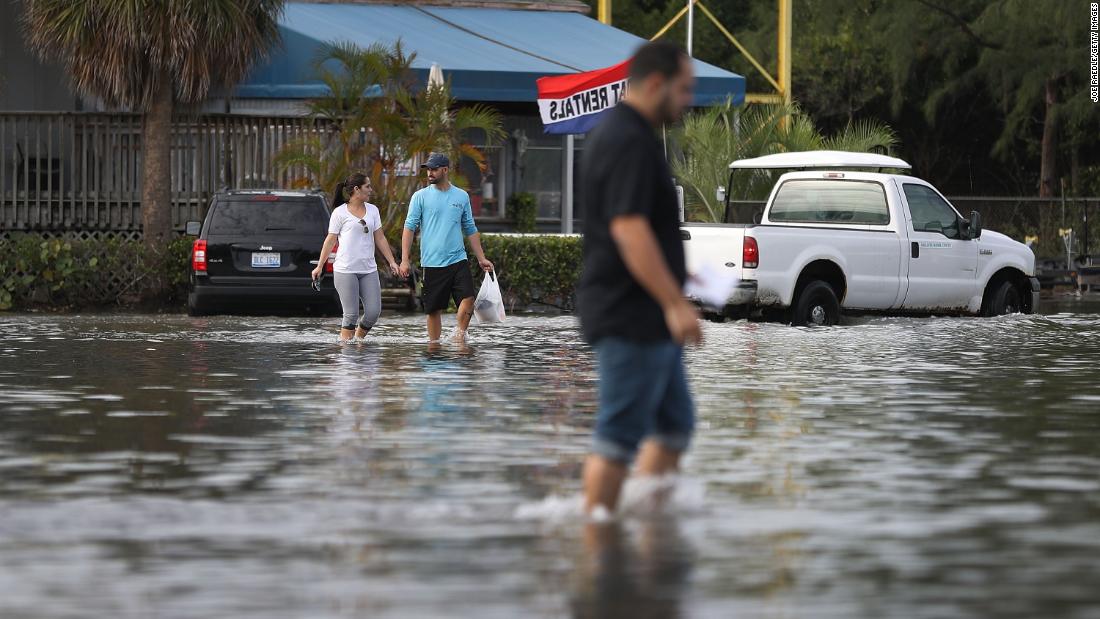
x=265, y=248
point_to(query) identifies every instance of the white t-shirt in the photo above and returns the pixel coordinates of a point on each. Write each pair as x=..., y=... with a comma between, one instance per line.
x=356, y=251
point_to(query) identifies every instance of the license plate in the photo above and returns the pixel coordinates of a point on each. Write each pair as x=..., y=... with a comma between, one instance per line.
x=263, y=260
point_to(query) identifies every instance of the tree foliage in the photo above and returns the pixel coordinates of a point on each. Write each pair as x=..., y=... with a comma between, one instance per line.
x=376, y=119
x=714, y=137
x=124, y=51
x=973, y=88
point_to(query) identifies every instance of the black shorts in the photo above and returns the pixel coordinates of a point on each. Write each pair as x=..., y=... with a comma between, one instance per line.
x=441, y=284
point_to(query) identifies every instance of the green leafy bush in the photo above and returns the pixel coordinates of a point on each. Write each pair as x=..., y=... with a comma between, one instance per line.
x=523, y=209
x=54, y=273
x=37, y=269
x=535, y=268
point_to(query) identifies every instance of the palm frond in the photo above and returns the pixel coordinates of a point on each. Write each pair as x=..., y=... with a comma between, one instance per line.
x=864, y=136
x=126, y=52
x=713, y=137
x=379, y=119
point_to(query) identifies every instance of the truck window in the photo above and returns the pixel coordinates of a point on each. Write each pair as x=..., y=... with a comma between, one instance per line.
x=830, y=202
x=930, y=212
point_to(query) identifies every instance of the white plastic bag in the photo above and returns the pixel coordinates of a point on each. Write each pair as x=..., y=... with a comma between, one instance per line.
x=489, y=304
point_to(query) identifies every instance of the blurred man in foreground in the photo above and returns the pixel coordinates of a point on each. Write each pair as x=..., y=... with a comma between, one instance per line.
x=632, y=307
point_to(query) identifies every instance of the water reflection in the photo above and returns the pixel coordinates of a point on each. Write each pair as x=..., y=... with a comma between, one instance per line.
x=642, y=573
x=890, y=467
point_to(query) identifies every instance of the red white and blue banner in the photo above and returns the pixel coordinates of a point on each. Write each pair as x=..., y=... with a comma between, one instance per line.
x=574, y=103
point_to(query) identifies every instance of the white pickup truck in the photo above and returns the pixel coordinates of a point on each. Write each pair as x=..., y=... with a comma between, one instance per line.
x=836, y=238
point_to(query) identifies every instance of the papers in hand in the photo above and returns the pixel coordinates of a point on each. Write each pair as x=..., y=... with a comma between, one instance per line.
x=711, y=286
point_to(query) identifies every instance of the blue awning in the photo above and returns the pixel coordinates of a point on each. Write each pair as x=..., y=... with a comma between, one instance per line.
x=488, y=54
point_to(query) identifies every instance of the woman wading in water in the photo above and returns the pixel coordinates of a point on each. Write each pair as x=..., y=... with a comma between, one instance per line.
x=357, y=225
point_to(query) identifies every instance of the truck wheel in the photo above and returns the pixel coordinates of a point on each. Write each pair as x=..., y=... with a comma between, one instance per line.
x=1006, y=299
x=816, y=305
x=714, y=317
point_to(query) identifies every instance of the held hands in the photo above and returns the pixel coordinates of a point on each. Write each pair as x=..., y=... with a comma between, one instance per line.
x=403, y=269
x=396, y=270
x=682, y=319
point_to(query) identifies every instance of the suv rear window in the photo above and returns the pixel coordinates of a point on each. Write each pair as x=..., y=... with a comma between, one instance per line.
x=830, y=202
x=267, y=214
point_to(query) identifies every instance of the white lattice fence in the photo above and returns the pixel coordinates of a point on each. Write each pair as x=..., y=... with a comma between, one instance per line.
x=77, y=235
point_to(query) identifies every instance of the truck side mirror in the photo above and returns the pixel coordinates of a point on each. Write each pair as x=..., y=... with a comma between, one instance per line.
x=194, y=228
x=975, y=230
x=758, y=217
x=720, y=195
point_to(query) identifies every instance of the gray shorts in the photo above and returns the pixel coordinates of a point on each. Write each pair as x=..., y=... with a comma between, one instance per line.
x=356, y=288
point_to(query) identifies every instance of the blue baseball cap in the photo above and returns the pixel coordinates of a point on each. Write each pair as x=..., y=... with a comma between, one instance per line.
x=436, y=160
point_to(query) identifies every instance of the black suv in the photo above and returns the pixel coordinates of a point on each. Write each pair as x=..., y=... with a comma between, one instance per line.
x=255, y=252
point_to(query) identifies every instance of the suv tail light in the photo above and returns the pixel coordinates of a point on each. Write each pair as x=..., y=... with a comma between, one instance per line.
x=198, y=256
x=750, y=253
x=331, y=258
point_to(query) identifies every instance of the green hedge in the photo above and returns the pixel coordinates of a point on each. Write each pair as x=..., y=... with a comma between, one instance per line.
x=37, y=271
x=535, y=269
x=60, y=274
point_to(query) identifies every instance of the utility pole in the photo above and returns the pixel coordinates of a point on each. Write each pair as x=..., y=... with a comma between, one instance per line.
x=691, y=26
x=784, y=45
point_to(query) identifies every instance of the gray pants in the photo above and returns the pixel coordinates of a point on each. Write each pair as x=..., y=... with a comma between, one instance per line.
x=356, y=287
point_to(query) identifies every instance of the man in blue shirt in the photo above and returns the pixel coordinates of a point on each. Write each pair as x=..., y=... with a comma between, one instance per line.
x=441, y=213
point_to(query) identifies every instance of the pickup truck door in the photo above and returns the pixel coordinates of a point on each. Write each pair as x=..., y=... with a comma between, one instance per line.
x=942, y=266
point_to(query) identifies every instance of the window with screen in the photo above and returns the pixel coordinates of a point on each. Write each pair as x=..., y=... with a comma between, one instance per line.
x=930, y=212
x=830, y=202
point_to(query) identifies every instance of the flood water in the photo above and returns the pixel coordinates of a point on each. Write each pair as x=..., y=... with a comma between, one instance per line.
x=165, y=466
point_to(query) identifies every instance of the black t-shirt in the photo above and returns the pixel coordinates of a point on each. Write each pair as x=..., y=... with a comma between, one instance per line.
x=624, y=172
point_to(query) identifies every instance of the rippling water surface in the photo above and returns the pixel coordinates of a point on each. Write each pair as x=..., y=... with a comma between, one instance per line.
x=165, y=466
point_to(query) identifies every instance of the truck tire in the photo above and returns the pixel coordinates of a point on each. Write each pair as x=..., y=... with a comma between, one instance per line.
x=718, y=317
x=1005, y=299
x=816, y=305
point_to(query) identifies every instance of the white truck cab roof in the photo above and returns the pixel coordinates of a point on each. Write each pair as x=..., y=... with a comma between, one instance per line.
x=859, y=175
x=821, y=159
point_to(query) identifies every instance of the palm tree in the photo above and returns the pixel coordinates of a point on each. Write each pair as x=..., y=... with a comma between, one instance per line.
x=436, y=124
x=713, y=137
x=377, y=120
x=145, y=55
x=358, y=119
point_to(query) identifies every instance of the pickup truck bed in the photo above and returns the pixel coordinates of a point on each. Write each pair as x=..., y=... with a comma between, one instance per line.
x=720, y=245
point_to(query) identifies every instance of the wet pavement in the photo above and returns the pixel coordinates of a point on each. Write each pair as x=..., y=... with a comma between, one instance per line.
x=165, y=466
